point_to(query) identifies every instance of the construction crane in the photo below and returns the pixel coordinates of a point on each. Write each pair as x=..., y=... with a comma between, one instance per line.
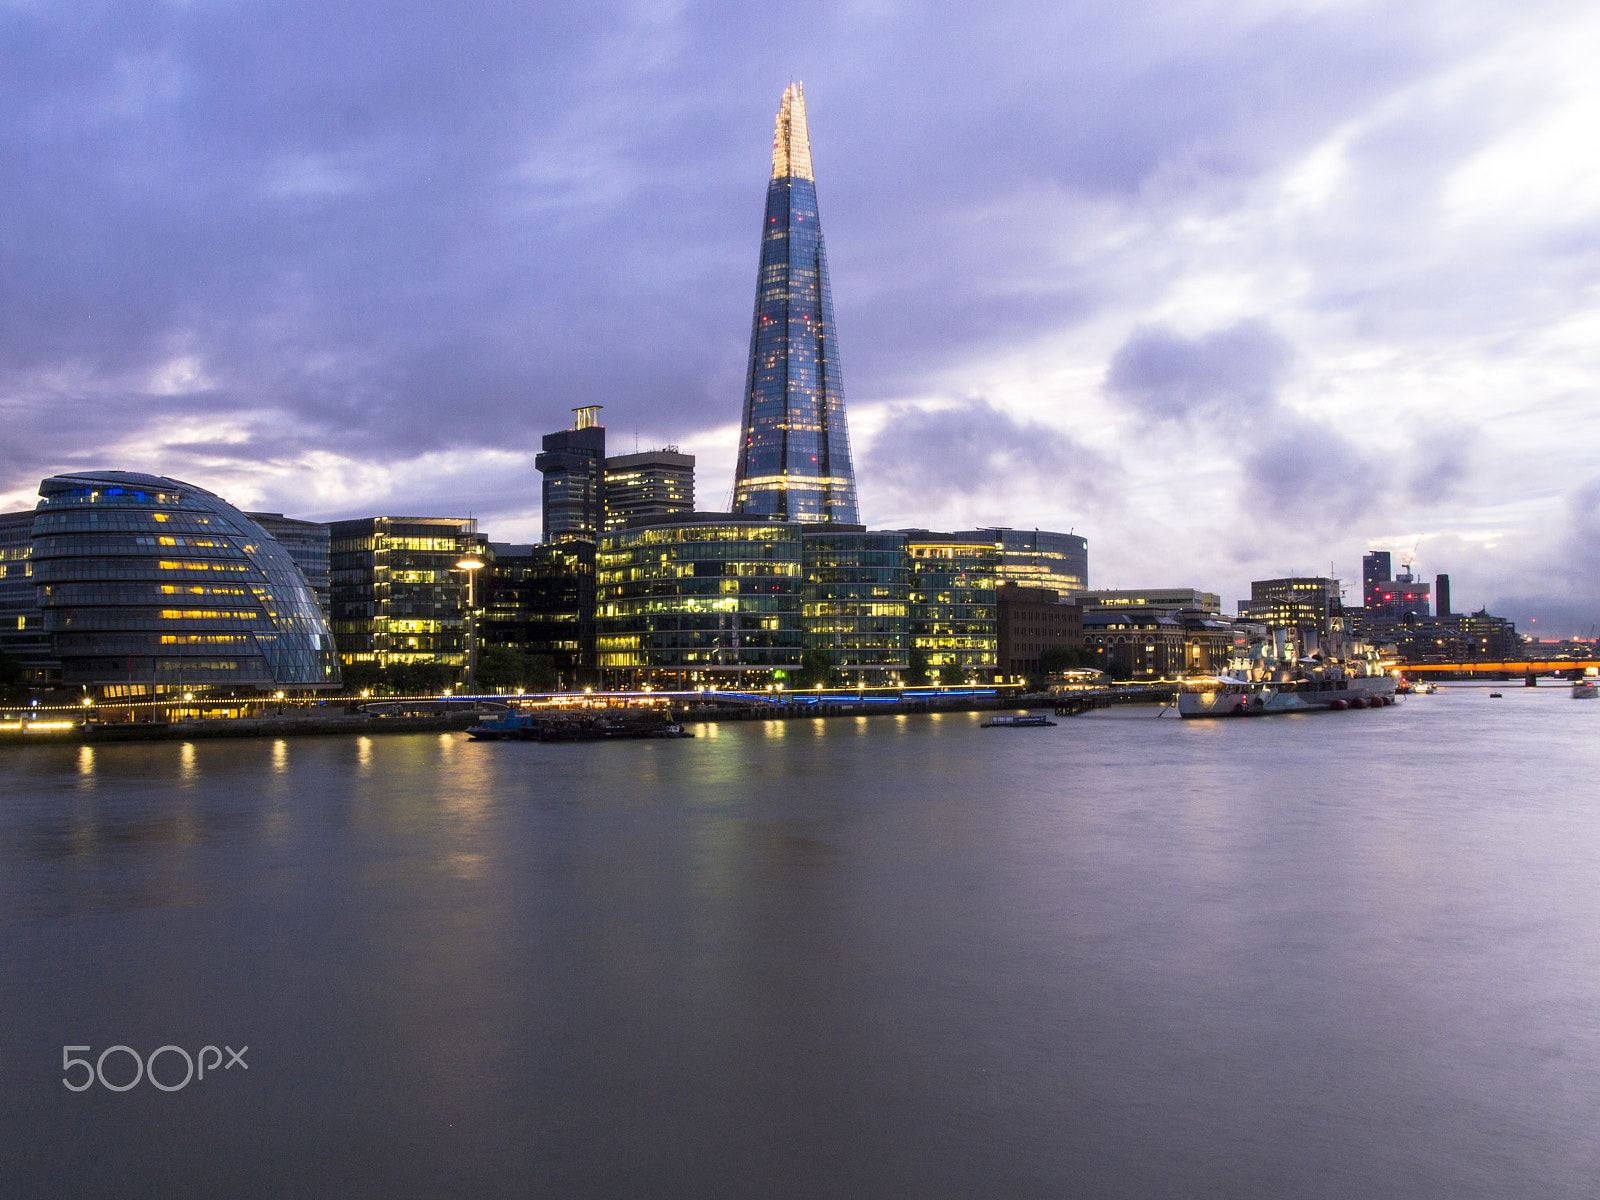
x=1407, y=559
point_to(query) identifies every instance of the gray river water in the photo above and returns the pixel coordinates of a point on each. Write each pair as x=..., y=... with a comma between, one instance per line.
x=1350, y=954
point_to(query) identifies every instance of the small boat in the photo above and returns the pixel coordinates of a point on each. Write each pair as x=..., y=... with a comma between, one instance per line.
x=1028, y=722
x=1584, y=689
x=1495, y=696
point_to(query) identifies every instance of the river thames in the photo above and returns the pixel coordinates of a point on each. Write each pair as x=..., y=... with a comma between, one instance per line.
x=1331, y=955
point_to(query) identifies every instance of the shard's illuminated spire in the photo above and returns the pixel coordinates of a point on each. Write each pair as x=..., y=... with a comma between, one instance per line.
x=794, y=452
x=791, y=143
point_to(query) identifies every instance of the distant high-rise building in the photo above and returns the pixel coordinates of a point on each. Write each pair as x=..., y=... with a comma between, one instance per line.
x=1376, y=569
x=654, y=483
x=794, y=448
x=1441, y=595
x=573, y=466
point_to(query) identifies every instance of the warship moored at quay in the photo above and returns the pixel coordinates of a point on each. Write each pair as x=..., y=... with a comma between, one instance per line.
x=1324, y=686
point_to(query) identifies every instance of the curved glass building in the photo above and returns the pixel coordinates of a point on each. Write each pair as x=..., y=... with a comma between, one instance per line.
x=794, y=452
x=147, y=582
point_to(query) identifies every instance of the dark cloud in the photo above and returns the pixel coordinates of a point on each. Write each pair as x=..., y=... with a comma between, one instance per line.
x=1439, y=462
x=1307, y=474
x=398, y=227
x=974, y=448
x=1232, y=374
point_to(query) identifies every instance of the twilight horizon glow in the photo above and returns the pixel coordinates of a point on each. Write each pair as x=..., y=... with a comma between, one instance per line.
x=1234, y=290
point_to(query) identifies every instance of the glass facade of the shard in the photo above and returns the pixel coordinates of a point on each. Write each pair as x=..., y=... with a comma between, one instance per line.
x=794, y=452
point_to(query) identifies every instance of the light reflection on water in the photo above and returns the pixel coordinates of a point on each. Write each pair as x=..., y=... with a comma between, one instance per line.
x=1333, y=955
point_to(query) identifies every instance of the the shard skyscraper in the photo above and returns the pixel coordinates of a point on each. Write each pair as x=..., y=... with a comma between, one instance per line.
x=794, y=452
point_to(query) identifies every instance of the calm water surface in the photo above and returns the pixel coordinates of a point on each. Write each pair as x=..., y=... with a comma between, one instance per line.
x=1333, y=955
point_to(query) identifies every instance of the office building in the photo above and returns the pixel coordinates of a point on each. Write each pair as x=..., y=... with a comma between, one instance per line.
x=1030, y=621
x=307, y=544
x=1135, y=643
x=653, y=483
x=1038, y=558
x=539, y=599
x=1394, y=599
x=148, y=584
x=1308, y=606
x=856, y=602
x=22, y=632
x=573, y=467
x=1441, y=595
x=794, y=446
x=699, y=599
x=954, y=629
x=1376, y=570
x=398, y=597
x=1171, y=599
x=1457, y=638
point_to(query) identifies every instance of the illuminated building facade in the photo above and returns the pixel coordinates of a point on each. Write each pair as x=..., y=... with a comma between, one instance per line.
x=698, y=599
x=954, y=631
x=1307, y=605
x=794, y=446
x=22, y=632
x=653, y=483
x=147, y=583
x=398, y=597
x=1135, y=643
x=1173, y=599
x=539, y=599
x=856, y=602
x=1038, y=558
x=573, y=467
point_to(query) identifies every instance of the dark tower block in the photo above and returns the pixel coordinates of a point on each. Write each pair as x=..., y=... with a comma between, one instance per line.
x=794, y=451
x=573, y=466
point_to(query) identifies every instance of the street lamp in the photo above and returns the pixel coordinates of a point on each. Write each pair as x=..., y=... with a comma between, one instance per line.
x=470, y=566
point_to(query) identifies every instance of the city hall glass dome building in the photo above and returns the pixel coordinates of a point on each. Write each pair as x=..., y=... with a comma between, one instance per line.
x=145, y=581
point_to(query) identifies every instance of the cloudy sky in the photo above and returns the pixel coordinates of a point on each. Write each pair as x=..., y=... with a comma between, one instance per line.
x=1233, y=289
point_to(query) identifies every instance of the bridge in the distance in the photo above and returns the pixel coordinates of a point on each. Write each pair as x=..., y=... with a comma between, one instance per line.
x=1545, y=667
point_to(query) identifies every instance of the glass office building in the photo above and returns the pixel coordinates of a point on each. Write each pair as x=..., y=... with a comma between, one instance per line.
x=652, y=483
x=711, y=598
x=150, y=583
x=539, y=599
x=856, y=602
x=22, y=632
x=398, y=597
x=1038, y=557
x=573, y=470
x=954, y=626
x=794, y=447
